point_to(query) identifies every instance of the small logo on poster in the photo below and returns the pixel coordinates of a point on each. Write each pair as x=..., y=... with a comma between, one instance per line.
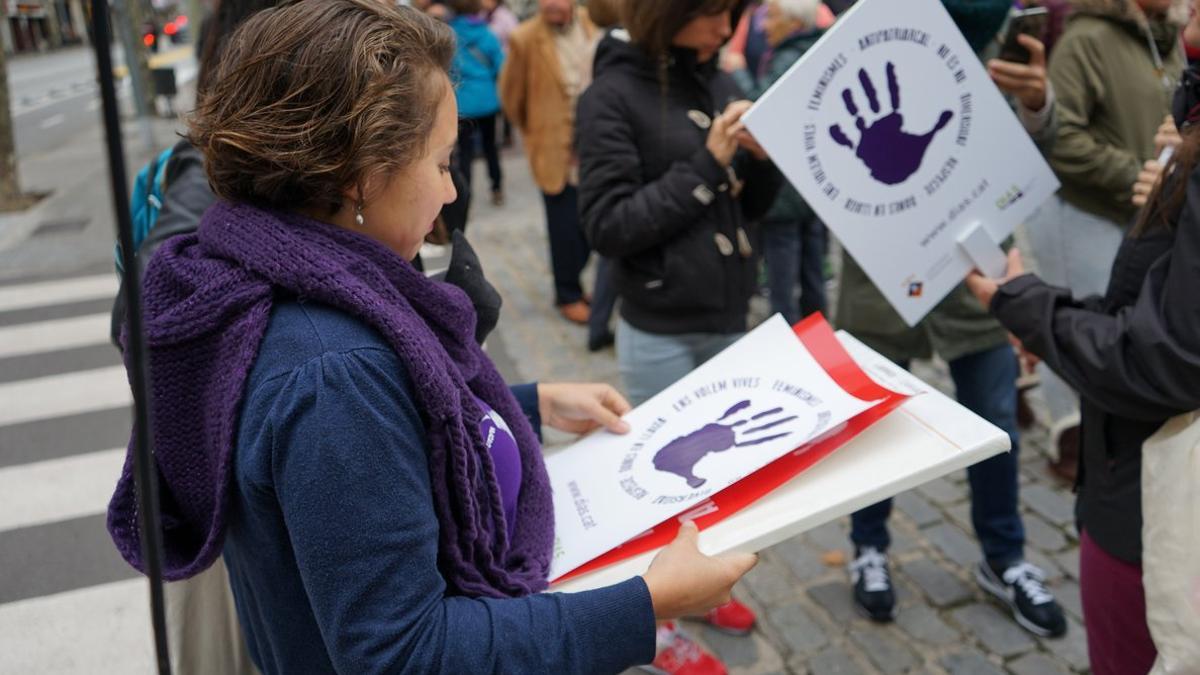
x=916, y=289
x=1013, y=195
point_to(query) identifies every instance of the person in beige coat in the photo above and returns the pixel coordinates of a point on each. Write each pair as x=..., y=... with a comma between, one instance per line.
x=549, y=65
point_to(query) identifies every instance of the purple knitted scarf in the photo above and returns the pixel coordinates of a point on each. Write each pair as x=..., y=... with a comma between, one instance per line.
x=208, y=299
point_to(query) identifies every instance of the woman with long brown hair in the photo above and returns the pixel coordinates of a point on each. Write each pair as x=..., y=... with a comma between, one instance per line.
x=323, y=415
x=1134, y=356
x=671, y=185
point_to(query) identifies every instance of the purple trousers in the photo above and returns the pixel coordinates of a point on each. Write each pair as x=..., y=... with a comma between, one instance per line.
x=1114, y=613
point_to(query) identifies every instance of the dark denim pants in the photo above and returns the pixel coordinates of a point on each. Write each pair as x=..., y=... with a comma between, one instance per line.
x=604, y=299
x=795, y=252
x=485, y=129
x=569, y=249
x=984, y=382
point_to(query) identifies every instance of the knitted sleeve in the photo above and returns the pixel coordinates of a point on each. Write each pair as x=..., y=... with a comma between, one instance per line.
x=348, y=467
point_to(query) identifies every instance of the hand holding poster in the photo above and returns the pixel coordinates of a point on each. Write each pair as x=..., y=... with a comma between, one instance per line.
x=893, y=132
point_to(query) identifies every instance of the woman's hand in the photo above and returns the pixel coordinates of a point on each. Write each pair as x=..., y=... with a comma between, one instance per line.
x=1146, y=180
x=1167, y=135
x=984, y=289
x=723, y=134
x=580, y=408
x=732, y=61
x=1025, y=81
x=1029, y=360
x=685, y=582
x=748, y=143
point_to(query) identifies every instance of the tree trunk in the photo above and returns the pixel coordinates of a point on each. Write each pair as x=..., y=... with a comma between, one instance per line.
x=10, y=185
x=130, y=16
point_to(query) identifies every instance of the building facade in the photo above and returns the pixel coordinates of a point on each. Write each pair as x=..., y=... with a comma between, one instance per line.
x=39, y=25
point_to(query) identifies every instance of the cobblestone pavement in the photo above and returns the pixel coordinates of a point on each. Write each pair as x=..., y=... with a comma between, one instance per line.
x=807, y=623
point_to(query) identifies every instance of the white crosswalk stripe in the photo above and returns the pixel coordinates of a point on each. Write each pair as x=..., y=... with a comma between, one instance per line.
x=103, y=629
x=58, y=489
x=47, y=293
x=61, y=395
x=54, y=493
x=53, y=336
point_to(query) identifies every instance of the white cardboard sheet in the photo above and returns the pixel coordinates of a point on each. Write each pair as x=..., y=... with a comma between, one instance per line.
x=929, y=436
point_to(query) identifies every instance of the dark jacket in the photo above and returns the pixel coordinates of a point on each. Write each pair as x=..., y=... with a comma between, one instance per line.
x=655, y=200
x=1134, y=357
x=789, y=206
x=186, y=196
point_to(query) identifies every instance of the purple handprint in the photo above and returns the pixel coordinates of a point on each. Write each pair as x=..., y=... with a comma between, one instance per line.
x=885, y=148
x=681, y=455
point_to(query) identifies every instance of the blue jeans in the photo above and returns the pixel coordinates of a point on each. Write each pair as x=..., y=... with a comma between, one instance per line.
x=651, y=362
x=795, y=252
x=984, y=382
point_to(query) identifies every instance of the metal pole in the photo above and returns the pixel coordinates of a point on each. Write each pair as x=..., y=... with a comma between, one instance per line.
x=145, y=474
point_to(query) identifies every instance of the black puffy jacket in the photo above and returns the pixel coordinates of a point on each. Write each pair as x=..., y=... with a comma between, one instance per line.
x=655, y=200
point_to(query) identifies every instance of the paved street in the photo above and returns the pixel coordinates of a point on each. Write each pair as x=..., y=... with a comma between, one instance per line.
x=68, y=604
x=55, y=97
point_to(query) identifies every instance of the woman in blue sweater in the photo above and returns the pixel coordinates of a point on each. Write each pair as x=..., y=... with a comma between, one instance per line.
x=323, y=413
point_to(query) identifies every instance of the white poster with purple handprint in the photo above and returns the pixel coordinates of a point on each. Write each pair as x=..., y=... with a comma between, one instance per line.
x=753, y=403
x=892, y=130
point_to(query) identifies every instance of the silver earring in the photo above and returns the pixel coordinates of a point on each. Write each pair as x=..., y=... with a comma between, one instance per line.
x=358, y=217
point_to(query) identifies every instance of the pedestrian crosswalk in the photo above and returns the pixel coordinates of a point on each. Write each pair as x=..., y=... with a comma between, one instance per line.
x=68, y=603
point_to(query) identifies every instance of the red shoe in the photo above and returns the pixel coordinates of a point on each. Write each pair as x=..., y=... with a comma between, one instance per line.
x=680, y=655
x=733, y=617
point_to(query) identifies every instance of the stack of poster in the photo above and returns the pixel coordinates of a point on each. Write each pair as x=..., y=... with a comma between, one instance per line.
x=759, y=413
x=911, y=436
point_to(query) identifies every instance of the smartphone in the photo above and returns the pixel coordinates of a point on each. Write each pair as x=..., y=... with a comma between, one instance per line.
x=1030, y=22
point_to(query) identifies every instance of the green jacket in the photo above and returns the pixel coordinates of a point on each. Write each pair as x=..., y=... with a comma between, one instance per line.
x=1111, y=99
x=956, y=327
x=789, y=206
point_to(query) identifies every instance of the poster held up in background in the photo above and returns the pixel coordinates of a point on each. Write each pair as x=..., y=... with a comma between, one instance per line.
x=892, y=130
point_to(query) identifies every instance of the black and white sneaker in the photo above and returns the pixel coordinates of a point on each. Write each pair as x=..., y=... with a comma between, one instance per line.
x=873, y=592
x=1022, y=587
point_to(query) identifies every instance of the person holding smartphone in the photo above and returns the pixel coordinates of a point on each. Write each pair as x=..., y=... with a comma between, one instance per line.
x=1113, y=71
x=1135, y=354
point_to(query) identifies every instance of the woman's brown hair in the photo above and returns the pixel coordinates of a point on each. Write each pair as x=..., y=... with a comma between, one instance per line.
x=652, y=25
x=605, y=13
x=316, y=96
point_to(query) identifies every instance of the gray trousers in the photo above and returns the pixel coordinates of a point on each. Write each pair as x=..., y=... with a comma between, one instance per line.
x=1075, y=250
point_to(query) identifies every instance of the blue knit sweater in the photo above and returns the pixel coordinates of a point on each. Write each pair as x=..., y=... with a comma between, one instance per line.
x=332, y=539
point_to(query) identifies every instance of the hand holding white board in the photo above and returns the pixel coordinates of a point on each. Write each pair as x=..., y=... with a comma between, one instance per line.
x=893, y=132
